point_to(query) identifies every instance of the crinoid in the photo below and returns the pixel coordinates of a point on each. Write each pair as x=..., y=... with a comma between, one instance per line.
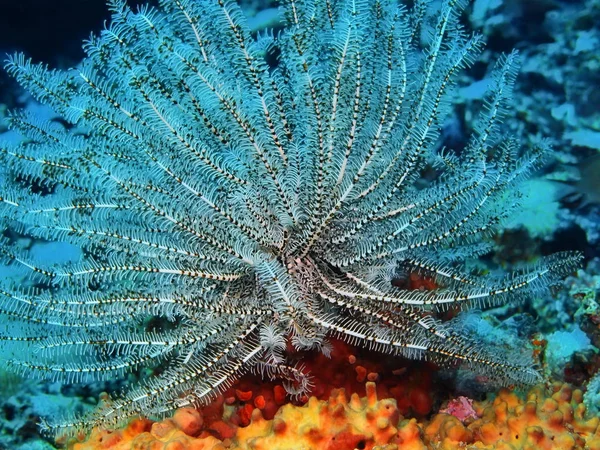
x=227, y=207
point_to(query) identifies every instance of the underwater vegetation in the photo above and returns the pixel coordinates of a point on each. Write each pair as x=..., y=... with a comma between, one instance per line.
x=233, y=211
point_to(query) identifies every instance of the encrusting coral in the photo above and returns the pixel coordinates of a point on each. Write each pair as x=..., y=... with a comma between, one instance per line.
x=545, y=418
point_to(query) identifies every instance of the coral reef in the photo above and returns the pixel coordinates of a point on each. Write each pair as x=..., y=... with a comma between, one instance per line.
x=362, y=402
x=225, y=207
x=555, y=98
x=552, y=418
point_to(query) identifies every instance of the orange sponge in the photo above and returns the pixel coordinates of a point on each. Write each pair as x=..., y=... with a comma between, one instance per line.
x=177, y=433
x=337, y=424
x=545, y=419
